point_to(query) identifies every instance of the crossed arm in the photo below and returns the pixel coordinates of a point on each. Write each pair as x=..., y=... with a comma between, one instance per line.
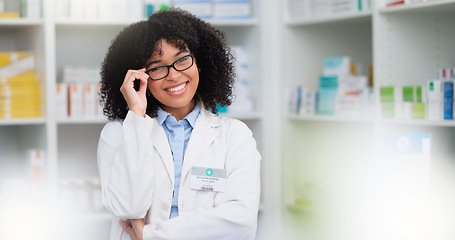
x=135, y=229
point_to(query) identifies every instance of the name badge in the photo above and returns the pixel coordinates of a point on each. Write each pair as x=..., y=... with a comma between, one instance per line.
x=208, y=179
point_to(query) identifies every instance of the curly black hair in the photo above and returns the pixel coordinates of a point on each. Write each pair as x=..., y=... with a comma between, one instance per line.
x=135, y=44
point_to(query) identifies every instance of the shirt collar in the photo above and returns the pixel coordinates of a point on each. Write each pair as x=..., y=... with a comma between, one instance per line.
x=191, y=117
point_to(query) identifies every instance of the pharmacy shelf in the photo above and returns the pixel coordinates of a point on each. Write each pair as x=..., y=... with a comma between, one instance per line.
x=20, y=22
x=70, y=144
x=22, y=121
x=234, y=22
x=250, y=116
x=436, y=6
x=126, y=22
x=95, y=22
x=418, y=122
x=330, y=118
x=407, y=45
x=82, y=121
x=341, y=18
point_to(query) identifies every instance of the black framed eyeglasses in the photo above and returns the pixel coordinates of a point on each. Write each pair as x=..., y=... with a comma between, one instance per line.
x=180, y=64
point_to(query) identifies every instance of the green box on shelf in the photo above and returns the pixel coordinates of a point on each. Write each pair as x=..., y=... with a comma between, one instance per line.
x=419, y=93
x=387, y=94
x=418, y=110
x=388, y=109
x=408, y=93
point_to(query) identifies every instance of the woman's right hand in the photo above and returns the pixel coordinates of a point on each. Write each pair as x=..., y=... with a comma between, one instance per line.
x=136, y=100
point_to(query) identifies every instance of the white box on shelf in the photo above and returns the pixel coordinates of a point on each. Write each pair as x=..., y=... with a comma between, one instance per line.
x=119, y=9
x=89, y=101
x=31, y=9
x=350, y=90
x=200, y=8
x=240, y=53
x=61, y=100
x=105, y=11
x=398, y=102
x=91, y=9
x=299, y=9
x=37, y=170
x=310, y=101
x=434, y=100
x=61, y=9
x=81, y=74
x=365, y=5
x=345, y=6
x=337, y=66
x=75, y=100
x=135, y=9
x=243, y=101
x=228, y=9
x=76, y=9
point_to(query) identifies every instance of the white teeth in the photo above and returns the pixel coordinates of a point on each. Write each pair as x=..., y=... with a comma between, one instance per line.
x=175, y=89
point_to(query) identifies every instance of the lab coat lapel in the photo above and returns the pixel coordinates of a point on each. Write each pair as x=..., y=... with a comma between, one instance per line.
x=204, y=133
x=161, y=144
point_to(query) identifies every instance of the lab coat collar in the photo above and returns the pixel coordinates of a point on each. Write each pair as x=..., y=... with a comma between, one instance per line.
x=161, y=144
x=203, y=134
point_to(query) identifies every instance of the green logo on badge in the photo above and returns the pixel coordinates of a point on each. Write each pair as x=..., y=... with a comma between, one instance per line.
x=209, y=172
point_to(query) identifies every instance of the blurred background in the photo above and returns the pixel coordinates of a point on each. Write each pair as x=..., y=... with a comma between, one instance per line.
x=350, y=102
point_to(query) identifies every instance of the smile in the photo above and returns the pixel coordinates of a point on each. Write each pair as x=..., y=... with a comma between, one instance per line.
x=176, y=88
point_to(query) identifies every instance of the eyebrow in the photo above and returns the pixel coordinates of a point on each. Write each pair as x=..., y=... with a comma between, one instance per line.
x=175, y=55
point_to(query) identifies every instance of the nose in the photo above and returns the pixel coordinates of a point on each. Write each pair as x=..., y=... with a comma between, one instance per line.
x=173, y=74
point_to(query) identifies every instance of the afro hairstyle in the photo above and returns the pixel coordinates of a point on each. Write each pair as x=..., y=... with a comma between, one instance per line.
x=135, y=44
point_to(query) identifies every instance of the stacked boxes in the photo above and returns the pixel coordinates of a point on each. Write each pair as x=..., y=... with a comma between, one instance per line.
x=78, y=94
x=231, y=9
x=200, y=8
x=216, y=9
x=326, y=99
x=31, y=8
x=22, y=8
x=432, y=100
x=138, y=9
x=311, y=9
x=20, y=91
x=99, y=9
x=243, y=100
x=343, y=91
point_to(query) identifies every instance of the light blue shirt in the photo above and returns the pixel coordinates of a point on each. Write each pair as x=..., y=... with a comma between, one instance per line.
x=178, y=133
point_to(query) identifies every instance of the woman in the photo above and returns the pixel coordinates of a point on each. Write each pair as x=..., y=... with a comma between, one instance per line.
x=170, y=167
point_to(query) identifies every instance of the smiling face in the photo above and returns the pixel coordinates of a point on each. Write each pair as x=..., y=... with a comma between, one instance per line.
x=175, y=91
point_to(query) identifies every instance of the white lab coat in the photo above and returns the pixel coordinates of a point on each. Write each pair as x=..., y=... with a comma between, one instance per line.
x=137, y=179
